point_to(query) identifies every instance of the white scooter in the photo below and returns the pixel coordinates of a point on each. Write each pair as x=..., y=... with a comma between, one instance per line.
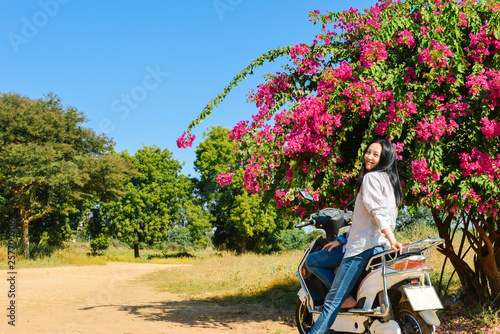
x=394, y=294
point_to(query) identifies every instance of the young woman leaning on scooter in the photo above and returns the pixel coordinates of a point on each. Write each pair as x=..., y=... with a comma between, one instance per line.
x=374, y=219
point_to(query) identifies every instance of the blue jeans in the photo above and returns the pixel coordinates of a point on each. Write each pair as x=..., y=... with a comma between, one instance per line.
x=322, y=263
x=349, y=271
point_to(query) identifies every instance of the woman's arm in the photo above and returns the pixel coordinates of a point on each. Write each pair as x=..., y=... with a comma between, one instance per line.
x=395, y=245
x=331, y=245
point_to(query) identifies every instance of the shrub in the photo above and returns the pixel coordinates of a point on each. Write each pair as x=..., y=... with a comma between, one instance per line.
x=99, y=244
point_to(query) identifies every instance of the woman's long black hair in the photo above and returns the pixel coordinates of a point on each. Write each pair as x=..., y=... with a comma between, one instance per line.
x=386, y=164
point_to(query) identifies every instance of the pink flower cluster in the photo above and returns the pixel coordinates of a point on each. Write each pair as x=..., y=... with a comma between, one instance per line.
x=396, y=111
x=372, y=52
x=420, y=171
x=264, y=135
x=399, y=148
x=239, y=131
x=307, y=127
x=455, y=109
x=299, y=50
x=224, y=179
x=362, y=95
x=264, y=98
x=309, y=63
x=435, y=129
x=491, y=128
x=479, y=163
x=481, y=44
x=437, y=56
x=332, y=77
x=406, y=37
x=463, y=20
x=411, y=74
x=281, y=199
x=487, y=80
x=184, y=142
x=476, y=82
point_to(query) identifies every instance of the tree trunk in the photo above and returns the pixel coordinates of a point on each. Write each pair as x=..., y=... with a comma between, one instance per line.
x=484, y=246
x=472, y=287
x=136, y=250
x=483, y=283
x=26, y=219
x=493, y=276
x=26, y=238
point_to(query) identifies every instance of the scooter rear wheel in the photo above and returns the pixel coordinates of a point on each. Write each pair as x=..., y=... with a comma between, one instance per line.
x=410, y=321
x=303, y=318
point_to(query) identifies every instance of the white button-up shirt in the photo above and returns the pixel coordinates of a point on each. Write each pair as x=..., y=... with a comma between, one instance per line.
x=375, y=209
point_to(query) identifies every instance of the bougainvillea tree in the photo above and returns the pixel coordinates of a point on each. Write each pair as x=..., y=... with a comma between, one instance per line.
x=425, y=74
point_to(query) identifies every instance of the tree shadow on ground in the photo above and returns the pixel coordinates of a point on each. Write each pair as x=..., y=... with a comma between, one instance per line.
x=275, y=304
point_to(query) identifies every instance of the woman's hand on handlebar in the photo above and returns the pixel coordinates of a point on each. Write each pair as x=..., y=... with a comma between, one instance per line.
x=331, y=245
x=395, y=245
x=398, y=247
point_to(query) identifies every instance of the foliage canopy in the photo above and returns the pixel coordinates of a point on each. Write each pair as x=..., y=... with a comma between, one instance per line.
x=423, y=73
x=50, y=163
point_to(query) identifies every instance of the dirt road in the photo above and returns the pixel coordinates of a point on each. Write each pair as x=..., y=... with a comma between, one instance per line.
x=110, y=299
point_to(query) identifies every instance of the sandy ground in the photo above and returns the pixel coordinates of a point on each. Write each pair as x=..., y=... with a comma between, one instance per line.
x=111, y=299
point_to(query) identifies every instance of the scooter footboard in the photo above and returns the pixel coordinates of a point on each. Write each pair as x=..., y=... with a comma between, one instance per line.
x=345, y=322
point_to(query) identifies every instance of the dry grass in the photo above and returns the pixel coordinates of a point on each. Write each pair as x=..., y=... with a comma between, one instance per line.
x=268, y=279
x=71, y=256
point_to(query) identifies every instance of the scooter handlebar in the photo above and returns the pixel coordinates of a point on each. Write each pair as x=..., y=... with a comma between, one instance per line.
x=306, y=223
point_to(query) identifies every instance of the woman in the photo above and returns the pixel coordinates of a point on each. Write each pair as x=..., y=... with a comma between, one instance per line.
x=374, y=219
x=322, y=264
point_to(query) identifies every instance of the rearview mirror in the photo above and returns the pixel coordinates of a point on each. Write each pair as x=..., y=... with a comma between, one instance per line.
x=307, y=195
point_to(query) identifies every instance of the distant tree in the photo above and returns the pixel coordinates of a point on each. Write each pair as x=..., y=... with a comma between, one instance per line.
x=180, y=236
x=57, y=226
x=251, y=223
x=242, y=222
x=197, y=221
x=98, y=230
x=213, y=156
x=49, y=162
x=414, y=215
x=99, y=244
x=153, y=200
x=294, y=239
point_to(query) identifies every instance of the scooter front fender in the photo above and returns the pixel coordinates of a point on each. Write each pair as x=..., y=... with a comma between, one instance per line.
x=430, y=317
x=302, y=296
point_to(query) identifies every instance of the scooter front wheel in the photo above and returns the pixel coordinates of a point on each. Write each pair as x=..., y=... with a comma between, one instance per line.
x=410, y=321
x=303, y=318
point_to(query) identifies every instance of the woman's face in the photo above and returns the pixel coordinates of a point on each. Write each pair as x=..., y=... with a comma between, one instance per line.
x=372, y=155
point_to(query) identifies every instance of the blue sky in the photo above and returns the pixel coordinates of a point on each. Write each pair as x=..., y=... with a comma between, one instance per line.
x=142, y=70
